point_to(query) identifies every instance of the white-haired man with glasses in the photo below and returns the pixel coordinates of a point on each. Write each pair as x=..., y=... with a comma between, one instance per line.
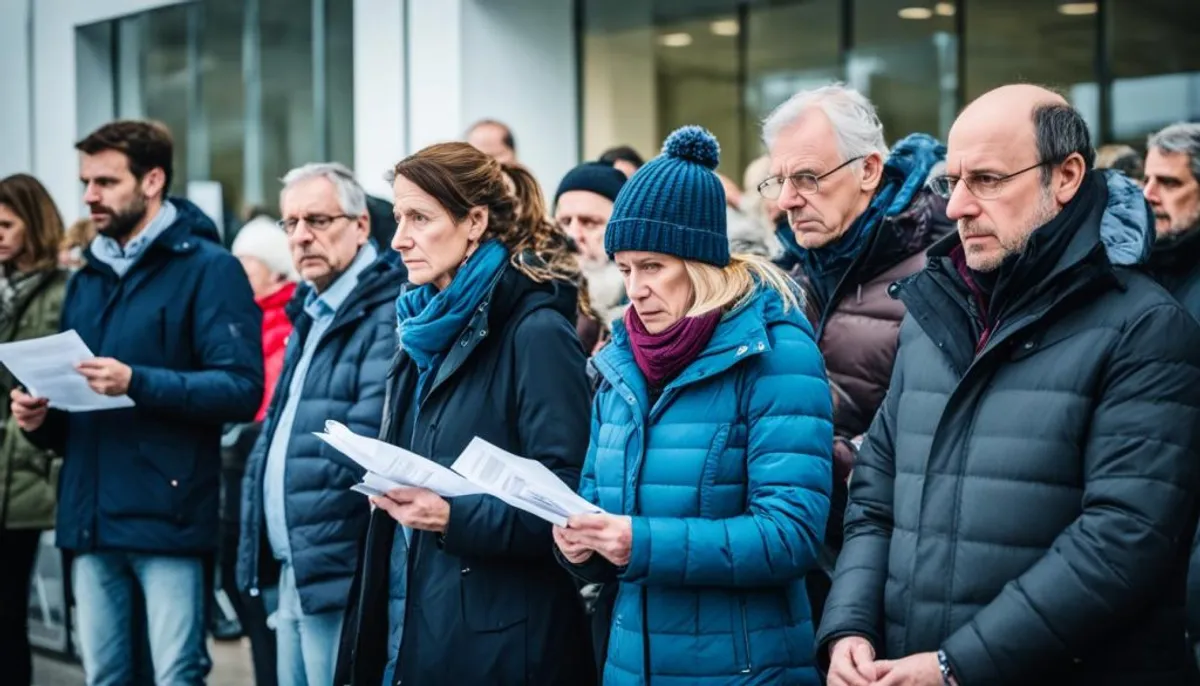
x=1023, y=504
x=300, y=522
x=859, y=218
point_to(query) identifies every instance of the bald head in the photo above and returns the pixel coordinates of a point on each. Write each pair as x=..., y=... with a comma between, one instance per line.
x=996, y=145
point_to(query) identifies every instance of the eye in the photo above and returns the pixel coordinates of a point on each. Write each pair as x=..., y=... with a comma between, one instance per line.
x=986, y=181
x=652, y=267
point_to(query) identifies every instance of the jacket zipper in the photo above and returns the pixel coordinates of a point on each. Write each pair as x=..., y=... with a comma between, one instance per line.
x=746, y=637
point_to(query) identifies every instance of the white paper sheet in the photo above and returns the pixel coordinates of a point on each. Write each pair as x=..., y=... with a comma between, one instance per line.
x=46, y=367
x=395, y=465
x=522, y=483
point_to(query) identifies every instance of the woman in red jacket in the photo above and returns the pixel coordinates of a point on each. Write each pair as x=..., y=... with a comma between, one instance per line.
x=263, y=249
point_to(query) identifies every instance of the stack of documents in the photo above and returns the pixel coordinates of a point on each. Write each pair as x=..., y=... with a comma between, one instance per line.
x=481, y=469
x=46, y=367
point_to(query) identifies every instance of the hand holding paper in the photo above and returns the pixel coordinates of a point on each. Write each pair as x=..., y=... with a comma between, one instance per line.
x=481, y=469
x=49, y=367
x=522, y=483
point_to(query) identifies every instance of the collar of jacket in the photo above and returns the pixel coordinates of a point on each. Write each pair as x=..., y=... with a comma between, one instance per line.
x=1176, y=255
x=741, y=335
x=190, y=227
x=508, y=291
x=379, y=282
x=1075, y=251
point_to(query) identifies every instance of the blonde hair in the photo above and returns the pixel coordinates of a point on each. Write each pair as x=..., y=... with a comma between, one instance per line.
x=726, y=287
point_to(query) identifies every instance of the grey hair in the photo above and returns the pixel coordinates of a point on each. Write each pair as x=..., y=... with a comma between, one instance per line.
x=1181, y=137
x=857, y=126
x=1060, y=131
x=350, y=193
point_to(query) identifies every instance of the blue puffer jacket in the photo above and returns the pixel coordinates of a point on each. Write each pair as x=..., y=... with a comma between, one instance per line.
x=727, y=478
x=146, y=479
x=345, y=382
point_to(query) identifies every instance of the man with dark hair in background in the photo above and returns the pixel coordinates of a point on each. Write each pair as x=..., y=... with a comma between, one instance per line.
x=493, y=138
x=624, y=158
x=1022, y=506
x=171, y=317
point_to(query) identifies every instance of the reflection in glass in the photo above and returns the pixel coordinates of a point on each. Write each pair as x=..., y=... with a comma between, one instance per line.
x=907, y=67
x=1155, y=60
x=1032, y=41
x=203, y=68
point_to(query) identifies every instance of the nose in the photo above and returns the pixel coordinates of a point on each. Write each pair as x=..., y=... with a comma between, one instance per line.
x=962, y=203
x=91, y=194
x=401, y=240
x=1151, y=192
x=571, y=228
x=789, y=198
x=635, y=287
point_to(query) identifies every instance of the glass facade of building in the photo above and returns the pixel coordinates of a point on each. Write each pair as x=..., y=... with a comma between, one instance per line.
x=249, y=88
x=1130, y=66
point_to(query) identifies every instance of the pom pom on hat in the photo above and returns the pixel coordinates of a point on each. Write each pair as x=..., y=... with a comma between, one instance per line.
x=674, y=205
x=694, y=144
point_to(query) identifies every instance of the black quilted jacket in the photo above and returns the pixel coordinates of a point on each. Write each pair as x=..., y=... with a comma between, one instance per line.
x=1029, y=507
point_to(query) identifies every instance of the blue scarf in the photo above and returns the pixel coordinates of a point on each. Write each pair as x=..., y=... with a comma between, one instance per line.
x=904, y=175
x=431, y=320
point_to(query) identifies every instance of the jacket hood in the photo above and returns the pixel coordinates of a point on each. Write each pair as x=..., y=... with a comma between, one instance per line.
x=195, y=220
x=1127, y=226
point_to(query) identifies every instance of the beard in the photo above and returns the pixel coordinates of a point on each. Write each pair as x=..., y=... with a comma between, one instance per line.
x=1009, y=245
x=1184, y=225
x=122, y=222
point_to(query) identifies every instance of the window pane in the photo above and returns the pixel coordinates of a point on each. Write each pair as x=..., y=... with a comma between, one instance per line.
x=1033, y=41
x=1155, y=61
x=152, y=76
x=288, y=126
x=789, y=48
x=650, y=67
x=224, y=99
x=905, y=60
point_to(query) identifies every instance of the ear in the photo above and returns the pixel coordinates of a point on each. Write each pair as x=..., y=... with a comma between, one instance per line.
x=362, y=226
x=477, y=223
x=1068, y=178
x=872, y=176
x=154, y=182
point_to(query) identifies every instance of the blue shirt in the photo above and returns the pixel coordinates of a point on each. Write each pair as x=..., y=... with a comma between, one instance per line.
x=321, y=308
x=121, y=259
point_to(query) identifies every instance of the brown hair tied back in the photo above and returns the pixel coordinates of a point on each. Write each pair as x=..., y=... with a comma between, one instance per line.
x=460, y=177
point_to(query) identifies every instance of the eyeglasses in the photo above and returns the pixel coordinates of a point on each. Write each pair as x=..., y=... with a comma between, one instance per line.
x=804, y=183
x=984, y=186
x=314, y=222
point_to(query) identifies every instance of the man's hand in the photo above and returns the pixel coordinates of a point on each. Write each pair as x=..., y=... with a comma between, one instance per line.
x=852, y=662
x=915, y=670
x=575, y=553
x=609, y=535
x=106, y=376
x=29, y=411
x=416, y=508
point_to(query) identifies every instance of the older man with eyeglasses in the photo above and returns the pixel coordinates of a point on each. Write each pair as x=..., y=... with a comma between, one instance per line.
x=1023, y=504
x=300, y=522
x=859, y=218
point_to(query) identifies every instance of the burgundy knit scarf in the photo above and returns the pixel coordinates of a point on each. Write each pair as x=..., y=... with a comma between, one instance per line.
x=661, y=356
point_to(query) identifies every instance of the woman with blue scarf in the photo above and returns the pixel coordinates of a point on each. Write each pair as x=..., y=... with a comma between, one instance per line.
x=466, y=590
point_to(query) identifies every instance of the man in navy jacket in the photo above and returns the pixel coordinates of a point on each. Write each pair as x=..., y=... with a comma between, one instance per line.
x=301, y=523
x=171, y=317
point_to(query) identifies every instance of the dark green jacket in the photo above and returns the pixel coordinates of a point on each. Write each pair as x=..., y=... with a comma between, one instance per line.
x=28, y=474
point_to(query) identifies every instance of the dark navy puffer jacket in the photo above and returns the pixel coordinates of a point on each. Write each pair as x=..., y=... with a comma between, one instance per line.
x=145, y=479
x=345, y=382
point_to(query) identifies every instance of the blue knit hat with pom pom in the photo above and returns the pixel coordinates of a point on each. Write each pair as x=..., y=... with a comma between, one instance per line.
x=675, y=204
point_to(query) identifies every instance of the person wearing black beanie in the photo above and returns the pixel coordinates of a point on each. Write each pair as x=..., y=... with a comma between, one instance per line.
x=583, y=205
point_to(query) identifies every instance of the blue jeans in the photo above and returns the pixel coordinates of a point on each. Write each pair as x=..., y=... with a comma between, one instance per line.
x=307, y=644
x=173, y=589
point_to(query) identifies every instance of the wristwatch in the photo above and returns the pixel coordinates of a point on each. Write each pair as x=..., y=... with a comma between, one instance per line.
x=944, y=665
